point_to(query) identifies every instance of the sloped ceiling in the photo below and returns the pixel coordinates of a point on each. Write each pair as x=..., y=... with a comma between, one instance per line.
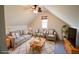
x=18, y=15
x=69, y=14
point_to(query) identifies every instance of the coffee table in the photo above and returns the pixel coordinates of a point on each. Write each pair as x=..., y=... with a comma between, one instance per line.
x=37, y=44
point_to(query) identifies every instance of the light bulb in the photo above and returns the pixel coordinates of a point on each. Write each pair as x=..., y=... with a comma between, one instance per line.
x=35, y=11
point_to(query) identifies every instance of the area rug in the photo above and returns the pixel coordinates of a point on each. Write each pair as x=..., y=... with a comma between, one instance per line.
x=48, y=48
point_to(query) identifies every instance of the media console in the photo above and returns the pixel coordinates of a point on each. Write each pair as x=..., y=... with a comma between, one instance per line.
x=70, y=49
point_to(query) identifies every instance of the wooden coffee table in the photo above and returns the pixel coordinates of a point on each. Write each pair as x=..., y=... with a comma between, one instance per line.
x=37, y=46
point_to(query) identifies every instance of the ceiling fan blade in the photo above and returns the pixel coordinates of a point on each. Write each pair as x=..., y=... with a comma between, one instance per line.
x=39, y=9
x=27, y=7
x=34, y=7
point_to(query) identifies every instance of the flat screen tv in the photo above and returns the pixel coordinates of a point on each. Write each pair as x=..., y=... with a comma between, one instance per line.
x=72, y=36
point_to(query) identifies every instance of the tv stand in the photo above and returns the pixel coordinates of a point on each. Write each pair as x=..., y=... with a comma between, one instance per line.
x=70, y=48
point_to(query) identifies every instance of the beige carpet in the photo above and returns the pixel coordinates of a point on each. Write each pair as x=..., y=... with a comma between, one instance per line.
x=48, y=48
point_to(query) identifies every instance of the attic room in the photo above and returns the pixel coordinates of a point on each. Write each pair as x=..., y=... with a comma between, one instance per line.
x=39, y=29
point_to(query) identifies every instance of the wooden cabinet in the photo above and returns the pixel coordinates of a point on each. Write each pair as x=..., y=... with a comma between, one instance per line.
x=69, y=47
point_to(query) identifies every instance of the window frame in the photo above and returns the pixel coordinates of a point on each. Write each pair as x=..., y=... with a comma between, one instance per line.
x=44, y=22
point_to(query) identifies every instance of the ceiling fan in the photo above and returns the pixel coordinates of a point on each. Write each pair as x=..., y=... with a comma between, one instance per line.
x=33, y=8
x=36, y=8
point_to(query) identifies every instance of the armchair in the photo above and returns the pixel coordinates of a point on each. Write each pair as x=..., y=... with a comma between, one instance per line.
x=51, y=34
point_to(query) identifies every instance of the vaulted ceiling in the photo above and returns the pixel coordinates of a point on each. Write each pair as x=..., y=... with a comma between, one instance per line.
x=18, y=15
x=67, y=13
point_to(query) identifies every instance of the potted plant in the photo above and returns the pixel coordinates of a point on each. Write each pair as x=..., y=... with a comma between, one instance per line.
x=65, y=31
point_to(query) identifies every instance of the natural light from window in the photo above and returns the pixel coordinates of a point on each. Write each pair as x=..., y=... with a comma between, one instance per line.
x=44, y=23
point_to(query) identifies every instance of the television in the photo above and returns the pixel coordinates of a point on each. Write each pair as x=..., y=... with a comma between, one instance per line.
x=73, y=36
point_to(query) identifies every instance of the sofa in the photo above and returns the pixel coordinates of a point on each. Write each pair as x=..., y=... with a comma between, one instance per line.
x=49, y=34
x=19, y=40
x=15, y=39
x=40, y=32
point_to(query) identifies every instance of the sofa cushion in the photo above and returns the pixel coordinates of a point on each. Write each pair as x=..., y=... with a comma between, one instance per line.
x=51, y=35
x=17, y=35
x=19, y=39
x=27, y=36
x=50, y=31
x=14, y=35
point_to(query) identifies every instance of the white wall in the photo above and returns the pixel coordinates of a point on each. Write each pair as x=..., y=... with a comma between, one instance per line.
x=15, y=28
x=17, y=17
x=53, y=23
x=67, y=13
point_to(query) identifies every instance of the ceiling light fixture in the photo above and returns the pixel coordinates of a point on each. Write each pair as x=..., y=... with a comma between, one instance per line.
x=36, y=9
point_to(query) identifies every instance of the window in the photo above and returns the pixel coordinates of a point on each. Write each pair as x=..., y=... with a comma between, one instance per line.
x=44, y=21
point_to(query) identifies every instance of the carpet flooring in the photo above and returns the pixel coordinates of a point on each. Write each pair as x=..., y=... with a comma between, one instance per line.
x=59, y=48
